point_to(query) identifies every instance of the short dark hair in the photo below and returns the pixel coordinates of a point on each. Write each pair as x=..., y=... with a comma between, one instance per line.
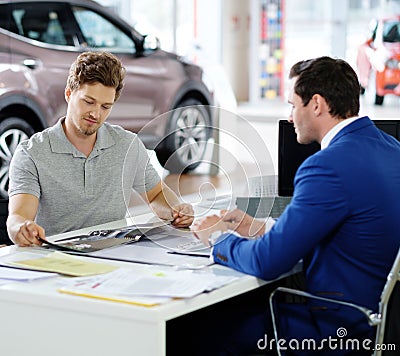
x=333, y=79
x=97, y=67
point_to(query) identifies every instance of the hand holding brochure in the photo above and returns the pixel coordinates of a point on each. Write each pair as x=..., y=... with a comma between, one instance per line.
x=101, y=239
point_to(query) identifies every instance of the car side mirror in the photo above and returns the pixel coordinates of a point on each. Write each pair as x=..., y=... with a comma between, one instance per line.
x=151, y=43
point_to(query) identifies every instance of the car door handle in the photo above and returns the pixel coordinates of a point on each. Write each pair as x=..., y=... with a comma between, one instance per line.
x=31, y=63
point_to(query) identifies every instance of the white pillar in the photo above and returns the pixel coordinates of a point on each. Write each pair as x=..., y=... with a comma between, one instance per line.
x=338, y=17
x=254, y=50
x=235, y=45
x=209, y=32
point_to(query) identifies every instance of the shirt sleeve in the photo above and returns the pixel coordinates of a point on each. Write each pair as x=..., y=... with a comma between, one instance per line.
x=318, y=207
x=146, y=177
x=23, y=174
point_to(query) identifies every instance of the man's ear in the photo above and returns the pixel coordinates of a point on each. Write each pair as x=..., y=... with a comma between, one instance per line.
x=67, y=94
x=320, y=105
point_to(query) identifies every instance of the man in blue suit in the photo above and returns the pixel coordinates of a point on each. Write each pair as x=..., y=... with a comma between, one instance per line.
x=343, y=220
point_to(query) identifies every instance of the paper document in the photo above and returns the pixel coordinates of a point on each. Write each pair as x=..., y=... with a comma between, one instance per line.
x=220, y=202
x=177, y=240
x=152, y=283
x=65, y=264
x=111, y=297
x=14, y=274
x=152, y=254
x=165, y=245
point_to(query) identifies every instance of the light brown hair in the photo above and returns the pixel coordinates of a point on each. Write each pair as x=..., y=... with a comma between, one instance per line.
x=97, y=67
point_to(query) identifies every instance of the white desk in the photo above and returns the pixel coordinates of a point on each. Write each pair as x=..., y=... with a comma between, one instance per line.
x=36, y=320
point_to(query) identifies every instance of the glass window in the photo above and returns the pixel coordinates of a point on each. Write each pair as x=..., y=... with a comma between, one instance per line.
x=101, y=34
x=40, y=22
x=6, y=20
x=391, y=31
x=171, y=21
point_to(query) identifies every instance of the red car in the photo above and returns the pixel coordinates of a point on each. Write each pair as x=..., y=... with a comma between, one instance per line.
x=381, y=55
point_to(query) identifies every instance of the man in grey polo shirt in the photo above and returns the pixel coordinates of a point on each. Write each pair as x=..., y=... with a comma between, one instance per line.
x=81, y=171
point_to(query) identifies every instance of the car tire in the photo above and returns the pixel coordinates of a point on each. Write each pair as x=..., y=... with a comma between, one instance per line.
x=379, y=99
x=185, y=143
x=13, y=130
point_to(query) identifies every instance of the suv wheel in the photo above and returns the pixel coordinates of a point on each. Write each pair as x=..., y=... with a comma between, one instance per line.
x=13, y=130
x=186, y=142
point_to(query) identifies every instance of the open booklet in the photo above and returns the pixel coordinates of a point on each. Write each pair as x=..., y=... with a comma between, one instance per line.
x=101, y=239
x=157, y=243
x=164, y=245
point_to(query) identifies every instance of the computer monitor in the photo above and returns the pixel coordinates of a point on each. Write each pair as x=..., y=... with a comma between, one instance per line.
x=391, y=127
x=291, y=154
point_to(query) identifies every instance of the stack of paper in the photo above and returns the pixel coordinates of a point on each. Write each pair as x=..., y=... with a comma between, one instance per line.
x=60, y=263
x=8, y=275
x=126, y=285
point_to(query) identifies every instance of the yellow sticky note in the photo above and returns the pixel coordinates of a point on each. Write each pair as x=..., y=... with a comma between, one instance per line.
x=65, y=264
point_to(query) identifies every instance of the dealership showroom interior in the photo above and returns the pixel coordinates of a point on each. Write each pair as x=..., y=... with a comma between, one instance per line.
x=199, y=177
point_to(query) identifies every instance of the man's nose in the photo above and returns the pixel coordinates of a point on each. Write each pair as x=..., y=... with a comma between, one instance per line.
x=94, y=113
x=290, y=118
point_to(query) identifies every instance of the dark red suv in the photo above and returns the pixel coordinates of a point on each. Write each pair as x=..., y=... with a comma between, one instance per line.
x=38, y=42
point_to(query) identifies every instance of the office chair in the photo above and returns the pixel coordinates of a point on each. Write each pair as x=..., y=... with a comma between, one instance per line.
x=4, y=239
x=386, y=319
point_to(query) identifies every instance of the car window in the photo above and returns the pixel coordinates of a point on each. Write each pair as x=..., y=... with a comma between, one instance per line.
x=100, y=33
x=6, y=20
x=40, y=21
x=391, y=31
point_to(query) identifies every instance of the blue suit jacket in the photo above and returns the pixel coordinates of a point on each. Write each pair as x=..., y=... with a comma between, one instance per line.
x=343, y=221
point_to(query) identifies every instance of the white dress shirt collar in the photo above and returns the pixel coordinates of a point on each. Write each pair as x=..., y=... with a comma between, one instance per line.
x=335, y=130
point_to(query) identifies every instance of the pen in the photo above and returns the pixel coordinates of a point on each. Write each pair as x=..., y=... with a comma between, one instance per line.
x=188, y=254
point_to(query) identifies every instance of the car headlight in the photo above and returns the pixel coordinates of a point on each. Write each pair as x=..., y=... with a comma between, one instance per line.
x=393, y=63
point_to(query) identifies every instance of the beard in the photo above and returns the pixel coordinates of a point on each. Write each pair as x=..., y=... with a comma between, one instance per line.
x=87, y=130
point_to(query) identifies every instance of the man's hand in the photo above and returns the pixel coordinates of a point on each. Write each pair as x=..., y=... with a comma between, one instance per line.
x=204, y=227
x=182, y=215
x=167, y=206
x=21, y=227
x=27, y=234
x=242, y=223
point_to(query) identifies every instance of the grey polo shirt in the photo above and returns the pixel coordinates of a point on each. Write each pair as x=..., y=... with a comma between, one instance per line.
x=76, y=191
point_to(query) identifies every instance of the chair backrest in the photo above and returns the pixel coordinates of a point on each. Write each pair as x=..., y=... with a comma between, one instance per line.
x=388, y=330
x=391, y=335
x=35, y=24
x=4, y=239
x=387, y=320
